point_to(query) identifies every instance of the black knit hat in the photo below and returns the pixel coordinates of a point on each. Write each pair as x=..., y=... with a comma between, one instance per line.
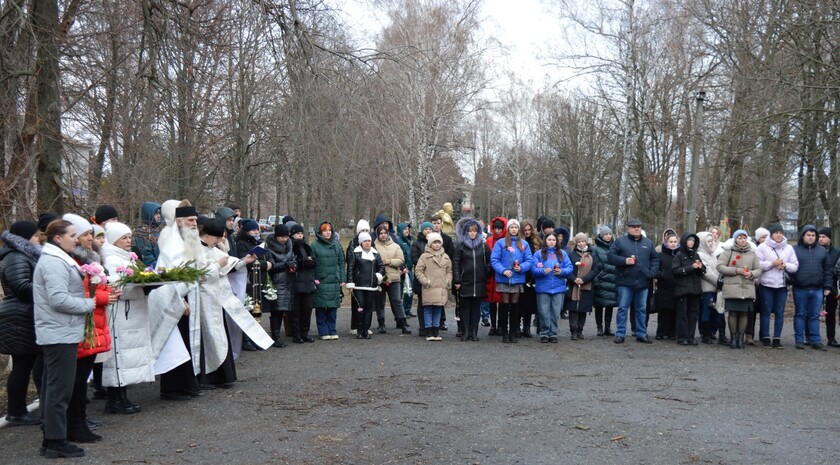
x=824, y=231
x=775, y=227
x=498, y=224
x=547, y=224
x=281, y=230
x=296, y=228
x=24, y=229
x=45, y=219
x=105, y=213
x=234, y=206
x=287, y=219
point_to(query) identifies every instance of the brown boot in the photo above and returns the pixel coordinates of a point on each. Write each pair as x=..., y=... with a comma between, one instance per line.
x=750, y=340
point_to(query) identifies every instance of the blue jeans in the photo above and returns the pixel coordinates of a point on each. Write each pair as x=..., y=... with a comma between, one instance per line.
x=808, y=303
x=485, y=310
x=431, y=315
x=772, y=301
x=638, y=298
x=549, y=307
x=325, y=319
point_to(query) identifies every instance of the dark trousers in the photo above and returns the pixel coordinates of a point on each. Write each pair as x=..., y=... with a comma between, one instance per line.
x=494, y=315
x=18, y=382
x=421, y=320
x=688, y=310
x=603, y=317
x=666, y=322
x=77, y=410
x=576, y=321
x=831, y=316
x=367, y=301
x=470, y=313
x=751, y=316
x=181, y=379
x=302, y=313
x=57, y=388
x=394, y=294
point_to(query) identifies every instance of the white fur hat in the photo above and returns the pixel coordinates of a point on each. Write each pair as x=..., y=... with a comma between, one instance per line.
x=364, y=237
x=434, y=237
x=115, y=230
x=82, y=225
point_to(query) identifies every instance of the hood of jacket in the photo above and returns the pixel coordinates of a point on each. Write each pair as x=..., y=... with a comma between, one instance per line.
x=381, y=218
x=562, y=234
x=147, y=214
x=321, y=238
x=600, y=242
x=703, y=247
x=683, y=243
x=274, y=245
x=496, y=237
x=669, y=232
x=85, y=256
x=462, y=228
x=16, y=243
x=400, y=228
x=775, y=245
x=806, y=228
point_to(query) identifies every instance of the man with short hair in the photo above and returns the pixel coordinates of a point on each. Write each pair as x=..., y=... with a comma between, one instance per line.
x=637, y=263
x=812, y=282
x=824, y=238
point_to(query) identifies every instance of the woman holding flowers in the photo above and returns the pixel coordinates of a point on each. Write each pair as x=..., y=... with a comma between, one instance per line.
x=132, y=360
x=97, y=337
x=581, y=297
x=511, y=260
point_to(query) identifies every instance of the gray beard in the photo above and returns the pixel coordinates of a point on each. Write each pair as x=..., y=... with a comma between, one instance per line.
x=192, y=244
x=223, y=245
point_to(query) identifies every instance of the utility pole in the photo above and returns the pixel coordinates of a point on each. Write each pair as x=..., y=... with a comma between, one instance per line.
x=697, y=143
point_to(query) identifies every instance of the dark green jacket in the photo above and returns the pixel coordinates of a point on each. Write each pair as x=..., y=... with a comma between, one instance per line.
x=329, y=270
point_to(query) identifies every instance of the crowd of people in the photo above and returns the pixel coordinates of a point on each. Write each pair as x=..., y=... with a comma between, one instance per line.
x=65, y=318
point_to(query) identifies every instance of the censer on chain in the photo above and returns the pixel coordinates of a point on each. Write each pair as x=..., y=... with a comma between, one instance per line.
x=256, y=291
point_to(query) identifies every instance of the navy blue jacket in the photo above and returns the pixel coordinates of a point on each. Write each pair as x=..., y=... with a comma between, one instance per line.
x=815, y=271
x=636, y=276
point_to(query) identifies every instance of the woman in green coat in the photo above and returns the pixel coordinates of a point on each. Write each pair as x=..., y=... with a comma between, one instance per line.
x=329, y=279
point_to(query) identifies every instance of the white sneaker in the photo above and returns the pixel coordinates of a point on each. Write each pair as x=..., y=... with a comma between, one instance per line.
x=325, y=338
x=353, y=331
x=430, y=338
x=438, y=338
x=334, y=337
x=370, y=332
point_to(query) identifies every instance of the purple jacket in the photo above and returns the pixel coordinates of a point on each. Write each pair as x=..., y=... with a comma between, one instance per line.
x=767, y=253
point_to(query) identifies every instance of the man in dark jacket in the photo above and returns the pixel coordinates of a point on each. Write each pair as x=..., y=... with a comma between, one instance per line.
x=824, y=239
x=636, y=262
x=811, y=283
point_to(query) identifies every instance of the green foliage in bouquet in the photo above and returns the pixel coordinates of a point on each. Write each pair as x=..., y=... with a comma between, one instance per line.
x=139, y=273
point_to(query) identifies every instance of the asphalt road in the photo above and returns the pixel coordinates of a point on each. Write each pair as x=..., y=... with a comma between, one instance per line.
x=400, y=399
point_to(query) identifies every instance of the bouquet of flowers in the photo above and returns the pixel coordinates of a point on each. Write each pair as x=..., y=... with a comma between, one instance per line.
x=138, y=273
x=249, y=304
x=94, y=276
x=269, y=291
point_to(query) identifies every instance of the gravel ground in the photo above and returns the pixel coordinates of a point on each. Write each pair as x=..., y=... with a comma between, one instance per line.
x=400, y=399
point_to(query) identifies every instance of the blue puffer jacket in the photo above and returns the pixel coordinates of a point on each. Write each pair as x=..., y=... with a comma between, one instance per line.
x=146, y=235
x=549, y=283
x=814, y=270
x=636, y=276
x=502, y=259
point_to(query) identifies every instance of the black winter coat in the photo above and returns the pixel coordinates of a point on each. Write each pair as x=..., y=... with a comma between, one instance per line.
x=304, y=275
x=362, y=273
x=471, y=268
x=17, y=322
x=284, y=260
x=606, y=294
x=664, y=297
x=687, y=280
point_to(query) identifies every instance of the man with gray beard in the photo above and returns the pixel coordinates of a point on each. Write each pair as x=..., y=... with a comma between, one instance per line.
x=178, y=246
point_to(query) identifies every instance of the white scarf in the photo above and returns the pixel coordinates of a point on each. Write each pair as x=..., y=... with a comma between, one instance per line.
x=55, y=251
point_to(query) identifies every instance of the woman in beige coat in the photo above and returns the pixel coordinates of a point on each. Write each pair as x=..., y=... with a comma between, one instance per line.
x=740, y=268
x=434, y=273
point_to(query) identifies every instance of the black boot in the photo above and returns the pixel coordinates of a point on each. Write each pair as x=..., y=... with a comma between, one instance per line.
x=115, y=404
x=381, y=328
x=406, y=329
x=81, y=433
x=600, y=330
x=722, y=337
x=505, y=337
x=276, y=321
x=735, y=342
x=126, y=401
x=247, y=345
x=55, y=448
